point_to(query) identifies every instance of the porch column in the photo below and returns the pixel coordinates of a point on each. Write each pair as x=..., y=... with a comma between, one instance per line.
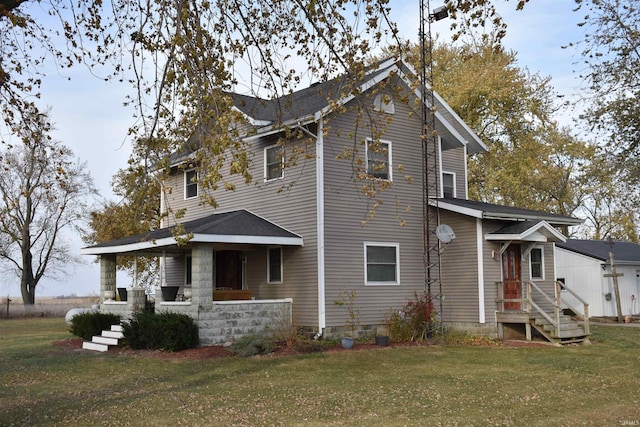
x=202, y=275
x=107, y=275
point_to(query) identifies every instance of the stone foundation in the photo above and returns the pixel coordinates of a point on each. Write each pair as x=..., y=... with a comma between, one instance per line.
x=228, y=321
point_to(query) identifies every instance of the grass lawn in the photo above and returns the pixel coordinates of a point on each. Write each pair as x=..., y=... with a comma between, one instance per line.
x=426, y=386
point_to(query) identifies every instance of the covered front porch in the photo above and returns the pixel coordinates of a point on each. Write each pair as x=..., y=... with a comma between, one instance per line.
x=533, y=299
x=203, y=274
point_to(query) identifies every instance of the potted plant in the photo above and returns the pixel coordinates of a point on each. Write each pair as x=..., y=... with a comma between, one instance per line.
x=347, y=300
x=382, y=336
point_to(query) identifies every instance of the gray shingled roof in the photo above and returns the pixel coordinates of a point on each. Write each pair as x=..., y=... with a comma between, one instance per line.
x=488, y=210
x=624, y=252
x=297, y=105
x=241, y=226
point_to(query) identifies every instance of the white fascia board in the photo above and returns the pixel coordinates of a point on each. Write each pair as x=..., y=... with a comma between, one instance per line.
x=197, y=238
x=131, y=247
x=471, y=133
x=520, y=217
x=541, y=232
x=452, y=130
x=474, y=213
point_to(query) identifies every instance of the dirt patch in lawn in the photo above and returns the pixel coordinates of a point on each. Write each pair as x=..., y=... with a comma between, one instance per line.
x=73, y=345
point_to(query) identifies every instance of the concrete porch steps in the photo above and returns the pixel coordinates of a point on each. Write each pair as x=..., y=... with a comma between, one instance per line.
x=108, y=338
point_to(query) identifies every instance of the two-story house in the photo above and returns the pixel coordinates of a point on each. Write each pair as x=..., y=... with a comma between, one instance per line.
x=346, y=216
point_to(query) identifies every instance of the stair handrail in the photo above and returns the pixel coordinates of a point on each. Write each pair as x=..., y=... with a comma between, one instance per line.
x=585, y=313
x=556, y=308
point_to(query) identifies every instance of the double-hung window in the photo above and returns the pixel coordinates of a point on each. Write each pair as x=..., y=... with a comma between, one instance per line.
x=273, y=162
x=274, y=265
x=382, y=263
x=536, y=263
x=379, y=159
x=448, y=184
x=190, y=184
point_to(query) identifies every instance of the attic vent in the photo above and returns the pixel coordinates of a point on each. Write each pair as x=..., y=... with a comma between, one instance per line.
x=384, y=103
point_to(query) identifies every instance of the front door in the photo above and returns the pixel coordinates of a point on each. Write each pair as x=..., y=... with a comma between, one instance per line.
x=511, y=278
x=229, y=269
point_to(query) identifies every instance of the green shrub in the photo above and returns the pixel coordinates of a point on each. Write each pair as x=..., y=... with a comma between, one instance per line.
x=250, y=345
x=86, y=325
x=161, y=331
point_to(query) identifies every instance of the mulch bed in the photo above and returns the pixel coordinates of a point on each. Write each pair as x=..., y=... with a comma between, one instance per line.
x=73, y=345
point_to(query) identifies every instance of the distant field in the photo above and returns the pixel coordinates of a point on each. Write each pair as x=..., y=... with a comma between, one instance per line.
x=434, y=385
x=44, y=307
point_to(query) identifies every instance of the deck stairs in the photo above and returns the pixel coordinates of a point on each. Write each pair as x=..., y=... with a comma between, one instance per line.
x=571, y=332
x=108, y=338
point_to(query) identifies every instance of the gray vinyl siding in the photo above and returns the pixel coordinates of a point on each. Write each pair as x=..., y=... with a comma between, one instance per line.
x=459, y=265
x=453, y=161
x=346, y=206
x=290, y=203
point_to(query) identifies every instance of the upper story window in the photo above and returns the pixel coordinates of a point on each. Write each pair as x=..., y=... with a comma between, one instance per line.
x=382, y=263
x=536, y=263
x=448, y=184
x=379, y=159
x=190, y=183
x=273, y=162
x=384, y=103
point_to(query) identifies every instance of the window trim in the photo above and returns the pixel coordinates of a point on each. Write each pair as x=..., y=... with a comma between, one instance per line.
x=389, y=159
x=269, y=280
x=541, y=249
x=188, y=183
x=386, y=245
x=266, y=165
x=453, y=175
x=381, y=106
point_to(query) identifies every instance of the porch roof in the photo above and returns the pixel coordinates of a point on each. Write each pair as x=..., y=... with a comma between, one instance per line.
x=237, y=227
x=527, y=231
x=499, y=212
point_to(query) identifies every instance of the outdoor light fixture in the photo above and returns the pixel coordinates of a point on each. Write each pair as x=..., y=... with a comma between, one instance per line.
x=439, y=13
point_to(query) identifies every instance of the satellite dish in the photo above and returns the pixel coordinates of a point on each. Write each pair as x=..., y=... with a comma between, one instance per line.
x=445, y=233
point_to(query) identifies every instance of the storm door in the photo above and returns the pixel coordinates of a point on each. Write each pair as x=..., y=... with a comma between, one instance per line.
x=511, y=277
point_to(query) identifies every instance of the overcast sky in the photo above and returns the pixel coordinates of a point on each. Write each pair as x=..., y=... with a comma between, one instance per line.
x=90, y=117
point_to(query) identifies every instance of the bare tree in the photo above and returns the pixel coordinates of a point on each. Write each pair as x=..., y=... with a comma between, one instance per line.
x=44, y=191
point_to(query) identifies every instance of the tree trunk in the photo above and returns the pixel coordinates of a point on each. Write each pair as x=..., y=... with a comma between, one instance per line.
x=27, y=282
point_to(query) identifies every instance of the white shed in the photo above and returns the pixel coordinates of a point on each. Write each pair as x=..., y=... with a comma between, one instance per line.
x=584, y=266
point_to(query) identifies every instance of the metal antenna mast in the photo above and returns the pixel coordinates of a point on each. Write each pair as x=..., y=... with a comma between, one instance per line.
x=430, y=184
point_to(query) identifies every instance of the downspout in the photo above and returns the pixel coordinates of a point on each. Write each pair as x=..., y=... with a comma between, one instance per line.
x=479, y=247
x=320, y=218
x=320, y=222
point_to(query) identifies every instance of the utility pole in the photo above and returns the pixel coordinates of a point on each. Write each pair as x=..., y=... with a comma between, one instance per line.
x=615, y=276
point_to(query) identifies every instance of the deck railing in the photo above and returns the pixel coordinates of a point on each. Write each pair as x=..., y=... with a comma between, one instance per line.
x=531, y=303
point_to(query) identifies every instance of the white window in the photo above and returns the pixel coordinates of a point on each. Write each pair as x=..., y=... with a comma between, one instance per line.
x=448, y=184
x=536, y=263
x=379, y=159
x=382, y=263
x=274, y=265
x=190, y=184
x=273, y=162
x=384, y=103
